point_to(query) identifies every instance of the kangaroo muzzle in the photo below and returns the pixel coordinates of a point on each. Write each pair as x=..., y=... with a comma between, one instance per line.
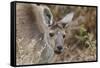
x=59, y=43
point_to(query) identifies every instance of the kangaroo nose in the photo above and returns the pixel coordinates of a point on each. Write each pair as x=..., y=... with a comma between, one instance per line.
x=59, y=47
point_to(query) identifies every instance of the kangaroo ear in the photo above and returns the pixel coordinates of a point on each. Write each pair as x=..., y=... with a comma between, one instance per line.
x=68, y=18
x=48, y=16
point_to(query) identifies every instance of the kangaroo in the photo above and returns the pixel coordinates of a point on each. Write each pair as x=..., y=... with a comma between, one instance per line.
x=37, y=36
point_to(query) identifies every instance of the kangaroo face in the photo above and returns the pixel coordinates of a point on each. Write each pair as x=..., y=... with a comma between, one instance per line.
x=57, y=33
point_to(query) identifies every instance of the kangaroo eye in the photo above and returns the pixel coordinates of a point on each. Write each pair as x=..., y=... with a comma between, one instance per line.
x=64, y=36
x=63, y=24
x=51, y=34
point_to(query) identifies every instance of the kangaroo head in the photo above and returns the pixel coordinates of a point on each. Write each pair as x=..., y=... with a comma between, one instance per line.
x=56, y=30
